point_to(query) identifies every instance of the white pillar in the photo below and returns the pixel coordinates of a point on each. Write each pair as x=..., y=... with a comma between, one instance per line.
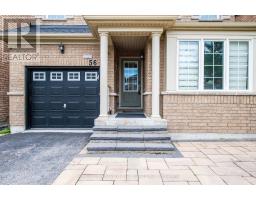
x=155, y=74
x=103, y=74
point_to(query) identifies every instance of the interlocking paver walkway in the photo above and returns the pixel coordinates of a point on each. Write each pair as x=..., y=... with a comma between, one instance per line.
x=232, y=163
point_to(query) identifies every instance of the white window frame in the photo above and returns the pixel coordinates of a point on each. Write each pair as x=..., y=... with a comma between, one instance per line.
x=86, y=79
x=74, y=79
x=34, y=79
x=56, y=79
x=226, y=40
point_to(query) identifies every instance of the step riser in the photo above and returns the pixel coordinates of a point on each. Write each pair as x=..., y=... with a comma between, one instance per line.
x=128, y=149
x=130, y=132
x=131, y=139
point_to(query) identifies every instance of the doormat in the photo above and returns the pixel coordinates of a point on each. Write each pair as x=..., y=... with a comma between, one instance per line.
x=130, y=115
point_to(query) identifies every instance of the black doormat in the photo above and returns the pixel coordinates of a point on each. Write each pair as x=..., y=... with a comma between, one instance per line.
x=130, y=115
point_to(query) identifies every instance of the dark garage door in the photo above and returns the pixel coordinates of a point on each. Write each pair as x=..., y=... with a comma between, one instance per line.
x=63, y=98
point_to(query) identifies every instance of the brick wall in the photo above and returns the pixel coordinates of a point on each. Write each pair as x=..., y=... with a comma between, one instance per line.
x=210, y=113
x=4, y=68
x=245, y=18
x=4, y=86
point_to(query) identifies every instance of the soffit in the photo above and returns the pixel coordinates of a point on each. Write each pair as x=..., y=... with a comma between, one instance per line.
x=129, y=42
x=95, y=22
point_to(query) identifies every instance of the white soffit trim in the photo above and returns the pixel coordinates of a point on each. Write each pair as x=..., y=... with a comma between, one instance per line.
x=132, y=29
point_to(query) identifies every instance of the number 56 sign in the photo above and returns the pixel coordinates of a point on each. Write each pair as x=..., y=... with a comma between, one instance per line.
x=92, y=62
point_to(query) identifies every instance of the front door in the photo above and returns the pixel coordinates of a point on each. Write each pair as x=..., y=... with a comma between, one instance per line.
x=130, y=84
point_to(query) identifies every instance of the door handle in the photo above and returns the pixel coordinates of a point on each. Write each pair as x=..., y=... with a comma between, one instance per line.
x=64, y=106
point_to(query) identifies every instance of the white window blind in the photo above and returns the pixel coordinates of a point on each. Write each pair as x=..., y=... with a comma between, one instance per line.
x=188, y=65
x=238, y=65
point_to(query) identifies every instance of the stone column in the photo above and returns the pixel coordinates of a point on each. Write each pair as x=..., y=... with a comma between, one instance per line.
x=155, y=74
x=103, y=74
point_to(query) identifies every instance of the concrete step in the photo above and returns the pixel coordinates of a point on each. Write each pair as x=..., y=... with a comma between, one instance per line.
x=130, y=128
x=131, y=136
x=129, y=146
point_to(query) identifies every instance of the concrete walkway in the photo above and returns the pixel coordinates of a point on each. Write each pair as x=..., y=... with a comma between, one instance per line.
x=219, y=163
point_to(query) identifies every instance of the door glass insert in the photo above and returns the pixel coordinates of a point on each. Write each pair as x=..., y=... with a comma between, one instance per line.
x=130, y=74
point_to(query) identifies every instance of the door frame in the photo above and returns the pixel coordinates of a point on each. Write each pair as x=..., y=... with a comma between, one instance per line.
x=27, y=85
x=141, y=63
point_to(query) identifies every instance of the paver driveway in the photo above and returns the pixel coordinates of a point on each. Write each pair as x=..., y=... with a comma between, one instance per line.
x=202, y=163
x=37, y=158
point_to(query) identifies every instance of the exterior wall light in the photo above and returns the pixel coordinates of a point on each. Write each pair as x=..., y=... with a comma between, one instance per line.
x=61, y=48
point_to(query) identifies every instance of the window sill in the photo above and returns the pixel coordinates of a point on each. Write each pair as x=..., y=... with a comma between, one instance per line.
x=242, y=93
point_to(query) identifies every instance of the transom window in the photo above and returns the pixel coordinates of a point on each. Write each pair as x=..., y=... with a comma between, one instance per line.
x=188, y=65
x=130, y=76
x=91, y=76
x=56, y=76
x=73, y=76
x=39, y=76
x=213, y=65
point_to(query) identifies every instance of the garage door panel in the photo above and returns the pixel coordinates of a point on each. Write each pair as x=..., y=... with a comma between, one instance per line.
x=55, y=106
x=37, y=106
x=90, y=91
x=65, y=102
x=90, y=106
x=39, y=121
x=74, y=106
x=38, y=90
x=56, y=90
x=74, y=121
x=56, y=120
x=74, y=90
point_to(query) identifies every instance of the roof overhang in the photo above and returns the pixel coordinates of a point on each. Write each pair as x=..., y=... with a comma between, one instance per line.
x=213, y=26
x=53, y=37
x=121, y=22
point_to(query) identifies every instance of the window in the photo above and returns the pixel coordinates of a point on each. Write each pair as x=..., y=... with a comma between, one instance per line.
x=217, y=64
x=213, y=65
x=238, y=65
x=130, y=74
x=188, y=65
x=55, y=17
x=209, y=17
x=73, y=76
x=91, y=76
x=39, y=76
x=56, y=76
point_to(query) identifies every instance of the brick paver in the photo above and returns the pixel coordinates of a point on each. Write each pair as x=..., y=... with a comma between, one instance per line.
x=218, y=163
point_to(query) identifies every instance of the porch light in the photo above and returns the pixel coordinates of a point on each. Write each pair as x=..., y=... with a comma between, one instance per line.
x=61, y=48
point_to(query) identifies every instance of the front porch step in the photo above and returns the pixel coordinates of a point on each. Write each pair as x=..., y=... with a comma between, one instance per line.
x=130, y=128
x=130, y=137
x=129, y=146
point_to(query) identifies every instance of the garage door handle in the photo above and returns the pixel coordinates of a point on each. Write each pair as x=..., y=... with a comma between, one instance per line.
x=64, y=106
